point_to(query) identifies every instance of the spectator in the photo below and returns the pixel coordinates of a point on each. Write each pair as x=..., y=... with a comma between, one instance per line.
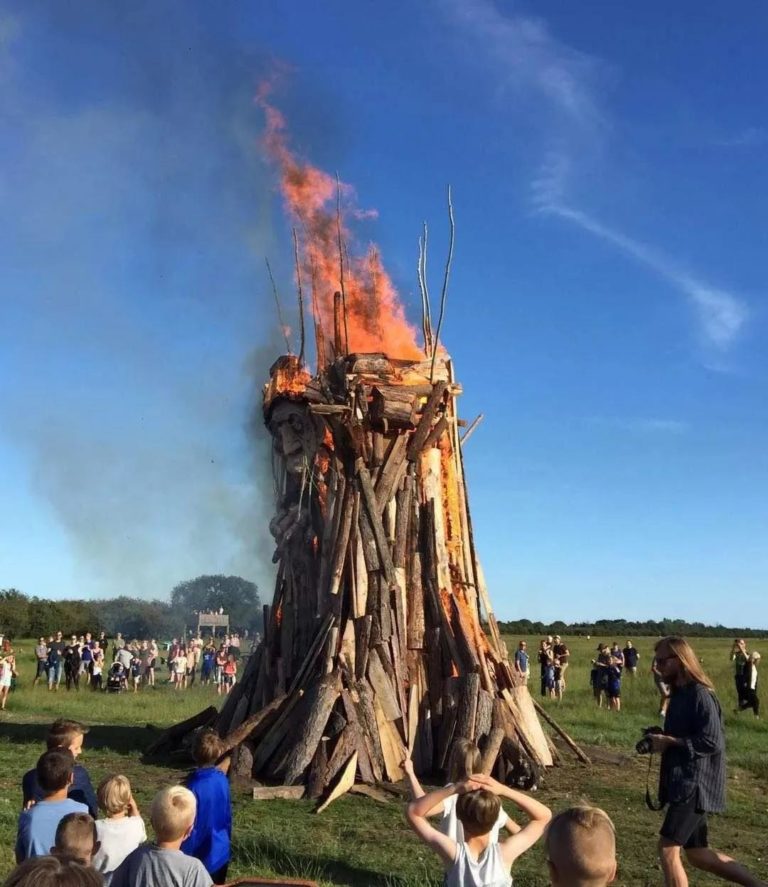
x=548, y=678
x=76, y=838
x=69, y=735
x=229, y=672
x=561, y=651
x=740, y=658
x=221, y=661
x=212, y=832
x=179, y=668
x=37, y=825
x=7, y=674
x=124, y=656
x=521, y=661
x=558, y=670
x=613, y=682
x=53, y=871
x=86, y=660
x=477, y=860
x=464, y=760
x=55, y=661
x=41, y=656
x=161, y=864
x=661, y=686
x=208, y=663
x=750, y=699
x=97, y=666
x=123, y=829
x=545, y=659
x=72, y=664
x=617, y=656
x=631, y=658
x=599, y=674
x=581, y=848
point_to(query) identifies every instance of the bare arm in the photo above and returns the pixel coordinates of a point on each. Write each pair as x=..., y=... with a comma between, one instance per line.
x=538, y=814
x=417, y=812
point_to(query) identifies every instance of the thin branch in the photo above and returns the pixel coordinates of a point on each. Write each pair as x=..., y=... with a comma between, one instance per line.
x=301, y=295
x=283, y=327
x=471, y=430
x=444, y=293
x=426, y=319
x=341, y=262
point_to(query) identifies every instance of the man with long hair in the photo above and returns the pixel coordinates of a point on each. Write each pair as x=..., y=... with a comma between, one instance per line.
x=692, y=779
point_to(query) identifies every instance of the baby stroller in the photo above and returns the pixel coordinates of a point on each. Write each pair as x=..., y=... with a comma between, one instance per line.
x=117, y=680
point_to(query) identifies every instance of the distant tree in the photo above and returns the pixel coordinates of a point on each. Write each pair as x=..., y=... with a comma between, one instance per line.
x=238, y=597
x=14, y=612
x=136, y=618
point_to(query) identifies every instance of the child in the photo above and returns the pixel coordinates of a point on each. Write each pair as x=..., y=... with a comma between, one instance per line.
x=53, y=871
x=230, y=672
x=613, y=685
x=123, y=829
x=76, y=838
x=749, y=687
x=70, y=735
x=559, y=682
x=548, y=677
x=162, y=863
x=221, y=661
x=581, y=848
x=179, y=667
x=212, y=832
x=7, y=672
x=37, y=826
x=464, y=760
x=477, y=861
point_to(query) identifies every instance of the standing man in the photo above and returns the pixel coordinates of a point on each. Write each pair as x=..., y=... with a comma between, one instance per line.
x=631, y=657
x=739, y=658
x=521, y=661
x=55, y=661
x=561, y=652
x=41, y=655
x=692, y=776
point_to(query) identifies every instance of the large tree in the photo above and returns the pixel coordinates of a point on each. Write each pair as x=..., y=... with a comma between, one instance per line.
x=238, y=597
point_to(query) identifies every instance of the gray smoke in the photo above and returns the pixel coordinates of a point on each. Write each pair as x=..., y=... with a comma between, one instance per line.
x=139, y=323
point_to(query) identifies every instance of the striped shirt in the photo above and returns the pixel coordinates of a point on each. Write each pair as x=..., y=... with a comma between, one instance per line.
x=697, y=768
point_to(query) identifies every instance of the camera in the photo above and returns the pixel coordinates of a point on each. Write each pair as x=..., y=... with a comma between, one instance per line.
x=644, y=747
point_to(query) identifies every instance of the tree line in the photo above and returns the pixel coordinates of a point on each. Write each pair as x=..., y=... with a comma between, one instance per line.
x=24, y=616
x=626, y=628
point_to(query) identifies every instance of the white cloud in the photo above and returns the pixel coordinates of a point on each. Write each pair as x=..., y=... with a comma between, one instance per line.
x=526, y=56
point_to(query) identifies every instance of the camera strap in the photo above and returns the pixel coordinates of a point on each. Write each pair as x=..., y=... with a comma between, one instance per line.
x=649, y=802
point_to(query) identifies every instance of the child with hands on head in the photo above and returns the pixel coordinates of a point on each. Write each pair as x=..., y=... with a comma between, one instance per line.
x=465, y=759
x=477, y=860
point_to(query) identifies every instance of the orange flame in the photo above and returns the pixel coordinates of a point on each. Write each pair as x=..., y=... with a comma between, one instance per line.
x=375, y=315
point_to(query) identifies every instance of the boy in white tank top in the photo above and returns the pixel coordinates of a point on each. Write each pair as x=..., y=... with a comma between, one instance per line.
x=478, y=861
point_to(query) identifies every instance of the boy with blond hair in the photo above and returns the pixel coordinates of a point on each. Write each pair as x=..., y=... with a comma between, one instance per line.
x=123, y=829
x=162, y=864
x=76, y=838
x=581, y=848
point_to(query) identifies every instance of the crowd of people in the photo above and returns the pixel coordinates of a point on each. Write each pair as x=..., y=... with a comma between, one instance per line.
x=119, y=664
x=70, y=834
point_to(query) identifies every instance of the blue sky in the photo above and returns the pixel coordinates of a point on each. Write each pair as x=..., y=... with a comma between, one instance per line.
x=607, y=308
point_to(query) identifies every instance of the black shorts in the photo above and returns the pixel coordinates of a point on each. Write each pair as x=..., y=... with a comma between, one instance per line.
x=685, y=825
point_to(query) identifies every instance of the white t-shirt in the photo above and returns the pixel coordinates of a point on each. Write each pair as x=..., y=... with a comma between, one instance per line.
x=118, y=838
x=488, y=870
x=452, y=828
x=179, y=664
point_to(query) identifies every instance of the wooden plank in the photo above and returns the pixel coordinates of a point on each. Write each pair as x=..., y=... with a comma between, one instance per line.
x=484, y=717
x=391, y=745
x=391, y=471
x=325, y=693
x=466, y=714
x=342, y=540
x=425, y=423
x=274, y=736
x=370, y=791
x=576, y=749
x=278, y=792
x=345, y=782
x=369, y=500
x=382, y=686
x=362, y=642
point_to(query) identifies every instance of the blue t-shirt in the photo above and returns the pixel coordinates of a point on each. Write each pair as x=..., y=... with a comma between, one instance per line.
x=521, y=660
x=212, y=831
x=37, y=827
x=81, y=789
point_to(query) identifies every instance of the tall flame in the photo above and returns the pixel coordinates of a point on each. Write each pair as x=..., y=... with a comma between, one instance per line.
x=375, y=317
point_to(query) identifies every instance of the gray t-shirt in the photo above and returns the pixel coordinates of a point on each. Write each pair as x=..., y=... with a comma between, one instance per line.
x=149, y=866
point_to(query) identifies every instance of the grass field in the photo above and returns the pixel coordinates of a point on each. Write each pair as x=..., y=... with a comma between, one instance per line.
x=361, y=842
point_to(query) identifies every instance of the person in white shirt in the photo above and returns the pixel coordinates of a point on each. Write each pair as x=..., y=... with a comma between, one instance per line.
x=179, y=666
x=477, y=861
x=465, y=759
x=123, y=829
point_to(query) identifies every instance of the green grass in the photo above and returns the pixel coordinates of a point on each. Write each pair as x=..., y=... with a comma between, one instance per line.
x=361, y=842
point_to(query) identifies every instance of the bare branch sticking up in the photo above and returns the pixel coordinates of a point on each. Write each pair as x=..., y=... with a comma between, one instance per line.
x=301, y=296
x=444, y=293
x=341, y=262
x=426, y=311
x=281, y=321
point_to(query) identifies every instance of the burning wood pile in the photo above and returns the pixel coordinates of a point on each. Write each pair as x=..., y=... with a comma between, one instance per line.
x=380, y=639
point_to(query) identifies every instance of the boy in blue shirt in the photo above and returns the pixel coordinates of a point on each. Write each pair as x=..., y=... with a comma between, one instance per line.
x=211, y=834
x=70, y=735
x=37, y=826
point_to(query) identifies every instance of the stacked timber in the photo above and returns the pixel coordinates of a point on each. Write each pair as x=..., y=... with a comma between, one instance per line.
x=380, y=640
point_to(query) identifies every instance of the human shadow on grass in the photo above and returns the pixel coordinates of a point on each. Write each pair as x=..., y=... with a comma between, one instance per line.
x=119, y=738
x=253, y=852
